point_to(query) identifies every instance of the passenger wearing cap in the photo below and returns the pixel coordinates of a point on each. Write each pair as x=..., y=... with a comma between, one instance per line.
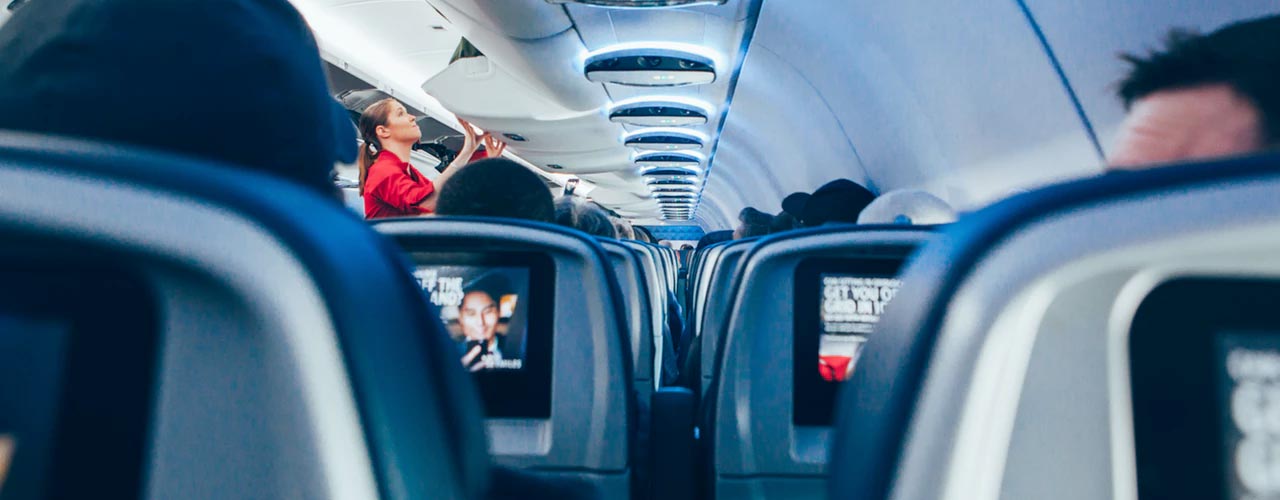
x=236, y=81
x=793, y=205
x=841, y=200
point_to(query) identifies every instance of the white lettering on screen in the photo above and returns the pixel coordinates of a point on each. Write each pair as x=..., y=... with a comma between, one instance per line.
x=1255, y=411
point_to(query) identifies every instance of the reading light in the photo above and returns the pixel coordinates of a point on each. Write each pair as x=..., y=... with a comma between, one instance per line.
x=658, y=113
x=640, y=4
x=663, y=140
x=649, y=67
x=665, y=159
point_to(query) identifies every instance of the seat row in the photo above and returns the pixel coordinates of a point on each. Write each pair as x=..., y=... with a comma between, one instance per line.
x=173, y=329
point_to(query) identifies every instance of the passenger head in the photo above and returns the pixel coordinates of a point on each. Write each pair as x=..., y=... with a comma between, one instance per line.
x=578, y=214
x=235, y=81
x=386, y=121
x=908, y=206
x=1202, y=96
x=840, y=200
x=623, y=228
x=793, y=204
x=752, y=222
x=714, y=237
x=783, y=222
x=496, y=187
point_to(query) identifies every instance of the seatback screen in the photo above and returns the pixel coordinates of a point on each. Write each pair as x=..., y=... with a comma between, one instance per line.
x=484, y=310
x=497, y=308
x=839, y=302
x=851, y=306
x=1249, y=412
x=1204, y=368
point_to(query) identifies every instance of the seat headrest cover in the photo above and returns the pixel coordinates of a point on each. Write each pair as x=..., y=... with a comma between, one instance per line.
x=907, y=206
x=238, y=81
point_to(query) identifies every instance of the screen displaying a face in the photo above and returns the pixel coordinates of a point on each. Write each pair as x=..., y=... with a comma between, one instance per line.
x=850, y=308
x=485, y=311
x=1249, y=410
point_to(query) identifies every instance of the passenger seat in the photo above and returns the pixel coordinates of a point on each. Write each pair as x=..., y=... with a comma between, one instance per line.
x=173, y=328
x=1105, y=338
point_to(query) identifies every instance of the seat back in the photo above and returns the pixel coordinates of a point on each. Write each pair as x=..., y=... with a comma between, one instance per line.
x=802, y=305
x=716, y=309
x=635, y=294
x=702, y=284
x=657, y=301
x=566, y=408
x=201, y=340
x=1081, y=341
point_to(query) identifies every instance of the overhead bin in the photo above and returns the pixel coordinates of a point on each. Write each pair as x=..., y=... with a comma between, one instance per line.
x=534, y=125
x=532, y=40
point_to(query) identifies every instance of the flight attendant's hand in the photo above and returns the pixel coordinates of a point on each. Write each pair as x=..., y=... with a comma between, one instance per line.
x=470, y=141
x=493, y=146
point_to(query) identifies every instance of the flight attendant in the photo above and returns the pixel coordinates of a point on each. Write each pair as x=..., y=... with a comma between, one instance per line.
x=391, y=187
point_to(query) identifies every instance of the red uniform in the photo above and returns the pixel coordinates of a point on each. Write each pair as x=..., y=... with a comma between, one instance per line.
x=394, y=188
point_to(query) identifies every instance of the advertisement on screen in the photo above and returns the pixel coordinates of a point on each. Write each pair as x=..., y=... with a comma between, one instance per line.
x=485, y=312
x=850, y=308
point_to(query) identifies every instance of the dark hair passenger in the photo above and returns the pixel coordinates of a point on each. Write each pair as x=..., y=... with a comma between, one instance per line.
x=496, y=187
x=1202, y=96
x=236, y=81
x=578, y=214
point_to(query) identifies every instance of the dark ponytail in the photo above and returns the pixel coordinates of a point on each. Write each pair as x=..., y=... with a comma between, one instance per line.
x=373, y=117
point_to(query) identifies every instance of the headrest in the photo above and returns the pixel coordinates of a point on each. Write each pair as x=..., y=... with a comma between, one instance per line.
x=908, y=206
x=238, y=81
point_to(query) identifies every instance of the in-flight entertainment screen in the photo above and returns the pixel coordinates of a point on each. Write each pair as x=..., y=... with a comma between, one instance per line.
x=484, y=310
x=1249, y=412
x=838, y=304
x=497, y=310
x=1204, y=368
x=851, y=307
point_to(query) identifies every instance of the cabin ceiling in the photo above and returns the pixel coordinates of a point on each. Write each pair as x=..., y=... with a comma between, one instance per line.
x=969, y=101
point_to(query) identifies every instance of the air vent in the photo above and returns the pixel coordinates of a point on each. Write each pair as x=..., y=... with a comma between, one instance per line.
x=668, y=160
x=658, y=114
x=650, y=67
x=663, y=140
x=515, y=137
x=640, y=4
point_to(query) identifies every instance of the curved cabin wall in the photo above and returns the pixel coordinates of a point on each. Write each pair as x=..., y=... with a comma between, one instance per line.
x=955, y=97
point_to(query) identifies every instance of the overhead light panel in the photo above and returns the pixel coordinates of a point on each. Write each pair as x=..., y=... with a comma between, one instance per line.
x=670, y=172
x=640, y=4
x=675, y=189
x=658, y=114
x=676, y=181
x=650, y=67
x=664, y=140
x=668, y=159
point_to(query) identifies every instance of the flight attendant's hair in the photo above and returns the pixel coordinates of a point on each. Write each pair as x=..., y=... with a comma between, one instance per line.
x=373, y=117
